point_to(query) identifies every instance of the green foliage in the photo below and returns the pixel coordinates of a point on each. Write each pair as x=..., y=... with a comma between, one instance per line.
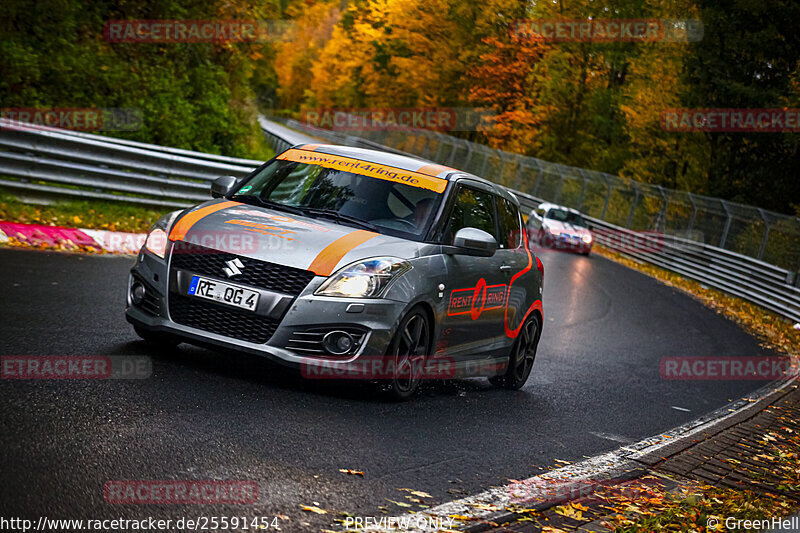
x=748, y=58
x=199, y=96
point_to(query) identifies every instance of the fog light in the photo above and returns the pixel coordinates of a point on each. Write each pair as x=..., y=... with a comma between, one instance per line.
x=137, y=293
x=338, y=342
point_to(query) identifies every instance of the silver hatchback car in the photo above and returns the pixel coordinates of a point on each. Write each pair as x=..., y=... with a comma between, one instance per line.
x=346, y=263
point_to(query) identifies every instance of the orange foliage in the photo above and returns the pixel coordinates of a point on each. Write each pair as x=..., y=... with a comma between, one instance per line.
x=504, y=83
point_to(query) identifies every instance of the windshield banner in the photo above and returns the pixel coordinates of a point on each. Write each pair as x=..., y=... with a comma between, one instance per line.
x=365, y=168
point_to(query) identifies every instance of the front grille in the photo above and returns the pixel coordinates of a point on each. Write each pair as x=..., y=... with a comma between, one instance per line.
x=261, y=274
x=220, y=319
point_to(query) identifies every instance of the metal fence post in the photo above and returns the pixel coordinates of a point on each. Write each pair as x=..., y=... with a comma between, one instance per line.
x=518, y=178
x=451, y=160
x=727, y=224
x=583, y=189
x=538, y=177
x=693, y=217
x=437, y=156
x=633, y=207
x=766, y=234
x=504, y=157
x=560, y=185
x=483, y=165
x=423, y=151
x=608, y=196
x=661, y=219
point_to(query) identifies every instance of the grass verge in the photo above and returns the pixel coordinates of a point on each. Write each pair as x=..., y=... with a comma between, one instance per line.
x=113, y=216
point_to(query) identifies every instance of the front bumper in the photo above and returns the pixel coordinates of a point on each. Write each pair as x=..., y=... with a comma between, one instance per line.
x=563, y=242
x=376, y=318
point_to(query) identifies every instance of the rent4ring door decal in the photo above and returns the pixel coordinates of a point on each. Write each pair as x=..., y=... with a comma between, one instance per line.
x=476, y=300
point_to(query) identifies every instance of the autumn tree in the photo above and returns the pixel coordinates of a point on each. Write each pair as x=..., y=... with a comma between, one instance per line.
x=311, y=26
x=503, y=83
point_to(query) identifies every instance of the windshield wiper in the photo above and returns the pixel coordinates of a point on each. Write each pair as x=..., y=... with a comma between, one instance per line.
x=336, y=215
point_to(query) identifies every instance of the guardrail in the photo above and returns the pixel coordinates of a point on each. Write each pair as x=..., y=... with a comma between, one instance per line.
x=72, y=164
x=751, y=279
x=743, y=229
x=80, y=165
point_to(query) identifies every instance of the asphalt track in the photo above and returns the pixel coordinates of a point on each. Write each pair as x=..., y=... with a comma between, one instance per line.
x=209, y=415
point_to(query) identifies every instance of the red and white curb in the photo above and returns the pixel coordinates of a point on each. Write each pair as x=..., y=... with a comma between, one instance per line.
x=36, y=235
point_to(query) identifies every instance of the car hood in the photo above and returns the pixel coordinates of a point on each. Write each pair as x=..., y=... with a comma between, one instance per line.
x=565, y=227
x=319, y=245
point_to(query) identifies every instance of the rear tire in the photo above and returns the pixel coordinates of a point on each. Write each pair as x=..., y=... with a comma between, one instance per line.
x=523, y=354
x=408, y=349
x=155, y=339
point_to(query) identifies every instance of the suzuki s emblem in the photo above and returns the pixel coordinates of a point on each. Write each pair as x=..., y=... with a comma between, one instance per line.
x=234, y=267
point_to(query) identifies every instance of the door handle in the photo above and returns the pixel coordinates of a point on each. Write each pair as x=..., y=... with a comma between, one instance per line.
x=505, y=268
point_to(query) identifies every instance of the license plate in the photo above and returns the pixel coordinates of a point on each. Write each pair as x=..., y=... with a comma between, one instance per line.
x=225, y=293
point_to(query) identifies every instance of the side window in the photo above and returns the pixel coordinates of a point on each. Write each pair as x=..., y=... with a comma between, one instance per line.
x=541, y=212
x=510, y=228
x=472, y=209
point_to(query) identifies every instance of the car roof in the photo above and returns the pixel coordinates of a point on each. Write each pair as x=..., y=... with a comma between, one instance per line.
x=548, y=206
x=405, y=162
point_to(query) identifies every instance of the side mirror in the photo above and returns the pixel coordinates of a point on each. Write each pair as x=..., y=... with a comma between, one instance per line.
x=223, y=186
x=475, y=241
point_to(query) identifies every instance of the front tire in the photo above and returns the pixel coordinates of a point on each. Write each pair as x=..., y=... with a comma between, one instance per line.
x=523, y=354
x=407, y=353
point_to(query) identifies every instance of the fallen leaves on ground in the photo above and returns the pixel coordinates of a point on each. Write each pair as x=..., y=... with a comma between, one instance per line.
x=417, y=493
x=351, y=472
x=313, y=509
x=401, y=504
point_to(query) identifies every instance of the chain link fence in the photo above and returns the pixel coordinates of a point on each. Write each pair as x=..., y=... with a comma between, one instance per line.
x=765, y=235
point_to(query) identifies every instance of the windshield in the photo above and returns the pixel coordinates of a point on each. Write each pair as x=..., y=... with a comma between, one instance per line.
x=566, y=216
x=348, y=198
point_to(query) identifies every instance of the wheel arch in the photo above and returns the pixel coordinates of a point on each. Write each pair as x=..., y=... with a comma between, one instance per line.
x=427, y=308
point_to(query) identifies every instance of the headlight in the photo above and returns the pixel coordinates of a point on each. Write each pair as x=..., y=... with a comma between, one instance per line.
x=587, y=238
x=365, y=279
x=157, y=242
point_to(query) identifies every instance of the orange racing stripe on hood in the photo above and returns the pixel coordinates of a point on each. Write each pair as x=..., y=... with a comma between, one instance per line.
x=182, y=227
x=330, y=256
